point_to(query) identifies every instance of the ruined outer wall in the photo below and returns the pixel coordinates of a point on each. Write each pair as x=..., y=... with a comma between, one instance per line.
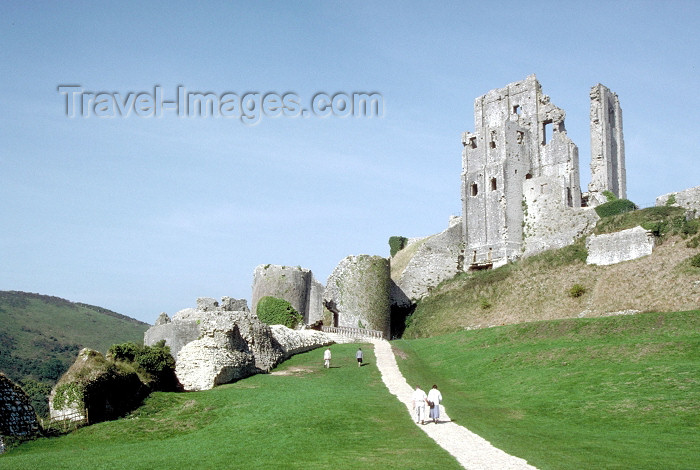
x=608, y=171
x=438, y=258
x=360, y=286
x=548, y=224
x=292, y=284
x=688, y=199
x=17, y=416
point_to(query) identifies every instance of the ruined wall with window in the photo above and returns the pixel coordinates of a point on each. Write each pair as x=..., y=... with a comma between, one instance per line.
x=521, y=190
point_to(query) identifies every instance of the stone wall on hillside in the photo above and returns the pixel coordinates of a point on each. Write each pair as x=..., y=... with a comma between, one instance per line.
x=620, y=246
x=358, y=293
x=688, y=199
x=296, y=285
x=17, y=416
x=437, y=258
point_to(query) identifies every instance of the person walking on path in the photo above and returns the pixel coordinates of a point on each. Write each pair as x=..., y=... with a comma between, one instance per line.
x=358, y=355
x=419, y=398
x=434, y=399
x=327, y=358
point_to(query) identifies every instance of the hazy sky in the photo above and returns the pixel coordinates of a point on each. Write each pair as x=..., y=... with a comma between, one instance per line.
x=143, y=214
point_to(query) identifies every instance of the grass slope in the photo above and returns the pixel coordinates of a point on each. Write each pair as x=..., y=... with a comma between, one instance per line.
x=40, y=336
x=538, y=287
x=301, y=417
x=616, y=393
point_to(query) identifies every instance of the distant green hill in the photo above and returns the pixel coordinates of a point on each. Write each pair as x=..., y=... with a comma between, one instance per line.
x=40, y=336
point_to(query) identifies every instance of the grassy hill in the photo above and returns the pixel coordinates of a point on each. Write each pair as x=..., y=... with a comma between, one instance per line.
x=40, y=336
x=615, y=393
x=302, y=416
x=559, y=283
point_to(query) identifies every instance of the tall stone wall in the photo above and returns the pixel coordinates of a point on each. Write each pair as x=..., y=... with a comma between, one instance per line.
x=608, y=171
x=17, y=416
x=359, y=288
x=434, y=259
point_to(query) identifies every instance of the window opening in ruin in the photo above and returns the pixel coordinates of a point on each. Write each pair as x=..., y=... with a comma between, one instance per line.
x=492, y=144
x=474, y=189
x=517, y=110
x=493, y=184
x=528, y=176
x=472, y=142
x=546, y=125
x=569, y=198
x=519, y=137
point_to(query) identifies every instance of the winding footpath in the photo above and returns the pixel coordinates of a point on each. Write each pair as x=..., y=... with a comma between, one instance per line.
x=470, y=450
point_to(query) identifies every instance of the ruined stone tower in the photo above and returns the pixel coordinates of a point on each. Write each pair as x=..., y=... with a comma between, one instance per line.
x=519, y=135
x=521, y=189
x=607, y=146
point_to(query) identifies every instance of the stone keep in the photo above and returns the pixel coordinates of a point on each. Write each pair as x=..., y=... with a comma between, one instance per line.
x=519, y=163
x=357, y=292
x=607, y=146
x=296, y=285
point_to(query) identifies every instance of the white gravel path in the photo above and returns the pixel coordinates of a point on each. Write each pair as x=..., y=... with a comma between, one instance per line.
x=470, y=450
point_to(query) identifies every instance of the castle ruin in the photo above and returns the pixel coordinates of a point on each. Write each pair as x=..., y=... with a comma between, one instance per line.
x=520, y=189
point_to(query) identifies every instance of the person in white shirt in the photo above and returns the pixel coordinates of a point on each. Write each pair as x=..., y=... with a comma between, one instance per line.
x=419, y=398
x=358, y=356
x=434, y=399
x=327, y=358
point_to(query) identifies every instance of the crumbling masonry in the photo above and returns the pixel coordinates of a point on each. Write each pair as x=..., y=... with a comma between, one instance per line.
x=521, y=190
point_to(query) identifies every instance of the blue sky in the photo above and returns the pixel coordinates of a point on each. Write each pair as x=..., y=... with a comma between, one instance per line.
x=145, y=214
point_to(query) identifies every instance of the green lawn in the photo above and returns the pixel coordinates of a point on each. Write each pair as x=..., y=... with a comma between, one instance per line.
x=314, y=418
x=606, y=393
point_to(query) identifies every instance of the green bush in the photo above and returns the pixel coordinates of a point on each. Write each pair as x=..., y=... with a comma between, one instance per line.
x=671, y=200
x=614, y=207
x=484, y=303
x=154, y=363
x=397, y=244
x=610, y=196
x=695, y=261
x=577, y=290
x=274, y=311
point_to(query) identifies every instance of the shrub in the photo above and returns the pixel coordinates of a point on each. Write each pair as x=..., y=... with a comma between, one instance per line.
x=155, y=363
x=577, y=290
x=274, y=311
x=695, y=261
x=617, y=206
x=396, y=244
x=671, y=200
x=609, y=195
x=484, y=303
